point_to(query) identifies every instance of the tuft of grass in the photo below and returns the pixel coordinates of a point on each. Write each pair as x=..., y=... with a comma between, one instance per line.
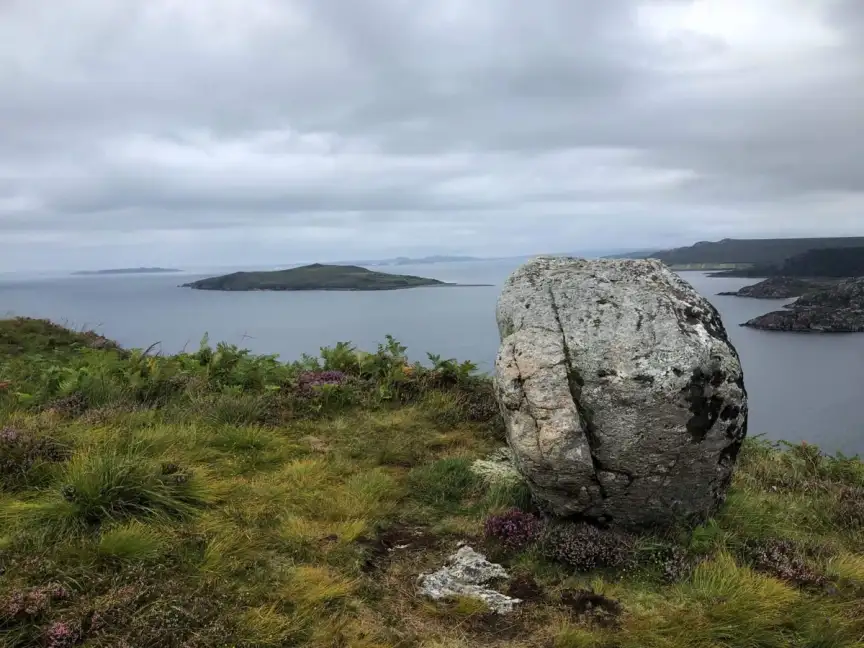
x=847, y=567
x=267, y=626
x=231, y=438
x=107, y=484
x=445, y=483
x=233, y=409
x=131, y=542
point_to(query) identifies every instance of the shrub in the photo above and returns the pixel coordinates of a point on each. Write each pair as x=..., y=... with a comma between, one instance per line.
x=61, y=635
x=671, y=562
x=586, y=547
x=450, y=371
x=849, y=510
x=514, y=530
x=781, y=559
x=27, y=605
x=73, y=405
x=24, y=456
x=308, y=380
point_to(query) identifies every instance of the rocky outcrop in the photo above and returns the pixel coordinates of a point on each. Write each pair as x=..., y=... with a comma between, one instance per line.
x=623, y=398
x=838, y=309
x=468, y=573
x=781, y=288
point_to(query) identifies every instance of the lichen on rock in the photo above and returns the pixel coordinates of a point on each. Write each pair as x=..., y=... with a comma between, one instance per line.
x=468, y=573
x=497, y=469
x=624, y=399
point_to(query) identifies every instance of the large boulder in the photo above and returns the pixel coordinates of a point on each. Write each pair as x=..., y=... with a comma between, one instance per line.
x=623, y=397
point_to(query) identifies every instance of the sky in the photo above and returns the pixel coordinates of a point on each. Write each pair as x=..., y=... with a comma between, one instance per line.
x=232, y=132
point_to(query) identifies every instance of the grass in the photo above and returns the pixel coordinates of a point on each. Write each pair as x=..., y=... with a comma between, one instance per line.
x=211, y=499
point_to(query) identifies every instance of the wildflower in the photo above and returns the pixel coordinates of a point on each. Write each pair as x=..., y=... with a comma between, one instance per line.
x=310, y=379
x=587, y=547
x=60, y=635
x=514, y=529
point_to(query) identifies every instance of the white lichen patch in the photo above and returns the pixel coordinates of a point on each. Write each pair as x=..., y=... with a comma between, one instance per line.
x=468, y=573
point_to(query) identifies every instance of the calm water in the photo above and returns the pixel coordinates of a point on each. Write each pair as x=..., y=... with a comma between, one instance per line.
x=801, y=387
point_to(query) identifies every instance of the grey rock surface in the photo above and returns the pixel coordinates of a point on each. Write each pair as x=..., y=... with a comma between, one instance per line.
x=468, y=573
x=623, y=397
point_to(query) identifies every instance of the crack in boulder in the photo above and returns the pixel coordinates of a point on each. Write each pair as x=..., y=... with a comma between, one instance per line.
x=575, y=382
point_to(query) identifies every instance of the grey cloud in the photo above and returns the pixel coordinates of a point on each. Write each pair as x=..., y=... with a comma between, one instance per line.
x=368, y=124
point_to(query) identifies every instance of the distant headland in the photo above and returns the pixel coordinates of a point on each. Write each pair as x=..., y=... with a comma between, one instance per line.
x=758, y=257
x=316, y=277
x=112, y=271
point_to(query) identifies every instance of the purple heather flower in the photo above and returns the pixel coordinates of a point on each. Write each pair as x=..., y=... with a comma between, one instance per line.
x=514, y=529
x=60, y=635
x=309, y=379
x=9, y=435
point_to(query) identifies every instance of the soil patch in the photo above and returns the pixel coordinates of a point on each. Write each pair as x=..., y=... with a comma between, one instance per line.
x=525, y=588
x=596, y=607
x=393, y=541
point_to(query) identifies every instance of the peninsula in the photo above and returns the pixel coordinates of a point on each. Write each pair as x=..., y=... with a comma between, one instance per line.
x=112, y=271
x=782, y=288
x=743, y=257
x=836, y=309
x=315, y=277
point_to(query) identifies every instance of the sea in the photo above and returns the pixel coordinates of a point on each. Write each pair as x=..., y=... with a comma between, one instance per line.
x=802, y=387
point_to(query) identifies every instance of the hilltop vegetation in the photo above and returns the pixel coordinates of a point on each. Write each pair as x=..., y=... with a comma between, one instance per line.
x=217, y=498
x=748, y=252
x=819, y=263
x=314, y=277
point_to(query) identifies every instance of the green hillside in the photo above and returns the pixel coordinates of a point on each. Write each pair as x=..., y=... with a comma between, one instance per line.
x=217, y=498
x=748, y=251
x=818, y=263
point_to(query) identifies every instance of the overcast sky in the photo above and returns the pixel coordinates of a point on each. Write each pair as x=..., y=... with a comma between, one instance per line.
x=202, y=132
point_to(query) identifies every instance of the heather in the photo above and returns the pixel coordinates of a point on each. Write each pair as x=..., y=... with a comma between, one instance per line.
x=217, y=498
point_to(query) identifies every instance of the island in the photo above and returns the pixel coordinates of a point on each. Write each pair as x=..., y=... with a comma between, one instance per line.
x=837, y=309
x=113, y=271
x=781, y=288
x=316, y=277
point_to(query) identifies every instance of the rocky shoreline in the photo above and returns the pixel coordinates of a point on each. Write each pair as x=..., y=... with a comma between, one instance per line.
x=836, y=309
x=782, y=288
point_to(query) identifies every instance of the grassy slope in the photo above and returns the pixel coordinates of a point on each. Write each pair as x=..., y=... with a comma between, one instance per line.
x=314, y=277
x=218, y=499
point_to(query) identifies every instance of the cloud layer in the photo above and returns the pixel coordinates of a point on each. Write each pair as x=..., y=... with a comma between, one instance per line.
x=212, y=130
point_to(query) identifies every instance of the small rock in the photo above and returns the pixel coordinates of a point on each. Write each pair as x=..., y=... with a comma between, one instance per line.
x=468, y=573
x=315, y=444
